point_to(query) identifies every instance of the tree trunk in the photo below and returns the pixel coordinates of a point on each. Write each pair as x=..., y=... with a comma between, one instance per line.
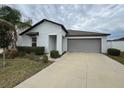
x=4, y=57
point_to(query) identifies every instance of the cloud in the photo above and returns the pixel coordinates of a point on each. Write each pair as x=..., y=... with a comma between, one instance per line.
x=101, y=18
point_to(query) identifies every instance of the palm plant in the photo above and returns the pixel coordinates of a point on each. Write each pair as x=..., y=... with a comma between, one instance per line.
x=12, y=18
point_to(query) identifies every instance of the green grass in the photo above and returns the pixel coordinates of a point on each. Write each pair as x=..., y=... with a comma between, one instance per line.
x=118, y=58
x=19, y=69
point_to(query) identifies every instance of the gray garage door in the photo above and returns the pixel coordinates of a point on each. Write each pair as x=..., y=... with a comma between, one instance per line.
x=84, y=45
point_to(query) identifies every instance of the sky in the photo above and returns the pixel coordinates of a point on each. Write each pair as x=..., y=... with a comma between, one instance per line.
x=90, y=17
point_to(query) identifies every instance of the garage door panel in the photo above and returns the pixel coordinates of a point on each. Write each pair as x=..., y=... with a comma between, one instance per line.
x=84, y=45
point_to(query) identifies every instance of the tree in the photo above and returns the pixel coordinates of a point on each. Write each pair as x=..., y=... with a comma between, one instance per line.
x=5, y=39
x=13, y=16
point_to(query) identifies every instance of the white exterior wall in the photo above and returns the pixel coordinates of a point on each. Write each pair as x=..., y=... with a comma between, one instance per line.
x=65, y=44
x=104, y=44
x=24, y=41
x=103, y=41
x=45, y=29
x=116, y=44
x=52, y=43
x=59, y=43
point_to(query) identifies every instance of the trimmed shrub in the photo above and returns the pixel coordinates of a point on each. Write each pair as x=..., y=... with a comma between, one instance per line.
x=113, y=51
x=39, y=50
x=24, y=49
x=12, y=53
x=45, y=59
x=35, y=50
x=54, y=54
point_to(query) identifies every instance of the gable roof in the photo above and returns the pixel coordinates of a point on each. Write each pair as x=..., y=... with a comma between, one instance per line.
x=85, y=33
x=68, y=32
x=40, y=22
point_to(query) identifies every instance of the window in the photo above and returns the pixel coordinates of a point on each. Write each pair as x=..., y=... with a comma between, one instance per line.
x=34, y=41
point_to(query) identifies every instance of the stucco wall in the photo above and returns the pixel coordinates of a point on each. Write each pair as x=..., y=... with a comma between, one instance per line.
x=65, y=44
x=45, y=29
x=52, y=43
x=24, y=41
x=116, y=44
x=103, y=41
x=104, y=44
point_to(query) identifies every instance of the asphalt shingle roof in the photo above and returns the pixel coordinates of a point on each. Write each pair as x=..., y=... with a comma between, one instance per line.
x=85, y=33
x=68, y=32
x=120, y=39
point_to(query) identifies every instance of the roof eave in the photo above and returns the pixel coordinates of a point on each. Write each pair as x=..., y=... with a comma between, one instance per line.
x=86, y=35
x=40, y=22
x=31, y=27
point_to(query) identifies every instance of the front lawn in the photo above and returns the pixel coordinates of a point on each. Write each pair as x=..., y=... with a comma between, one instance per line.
x=19, y=69
x=118, y=58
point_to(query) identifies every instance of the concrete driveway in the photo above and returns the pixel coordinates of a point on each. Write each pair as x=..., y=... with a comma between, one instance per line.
x=79, y=70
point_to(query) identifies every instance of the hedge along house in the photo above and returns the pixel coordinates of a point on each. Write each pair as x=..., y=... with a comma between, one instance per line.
x=54, y=36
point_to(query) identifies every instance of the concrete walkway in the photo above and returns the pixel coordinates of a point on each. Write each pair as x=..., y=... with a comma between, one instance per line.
x=79, y=70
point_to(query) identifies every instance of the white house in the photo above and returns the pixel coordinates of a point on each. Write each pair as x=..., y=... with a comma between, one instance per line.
x=117, y=43
x=54, y=36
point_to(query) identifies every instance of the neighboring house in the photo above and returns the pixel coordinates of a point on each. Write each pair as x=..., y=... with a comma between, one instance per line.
x=54, y=36
x=116, y=43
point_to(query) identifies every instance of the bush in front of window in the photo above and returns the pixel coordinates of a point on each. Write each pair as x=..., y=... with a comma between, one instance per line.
x=24, y=49
x=39, y=50
x=54, y=54
x=35, y=50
